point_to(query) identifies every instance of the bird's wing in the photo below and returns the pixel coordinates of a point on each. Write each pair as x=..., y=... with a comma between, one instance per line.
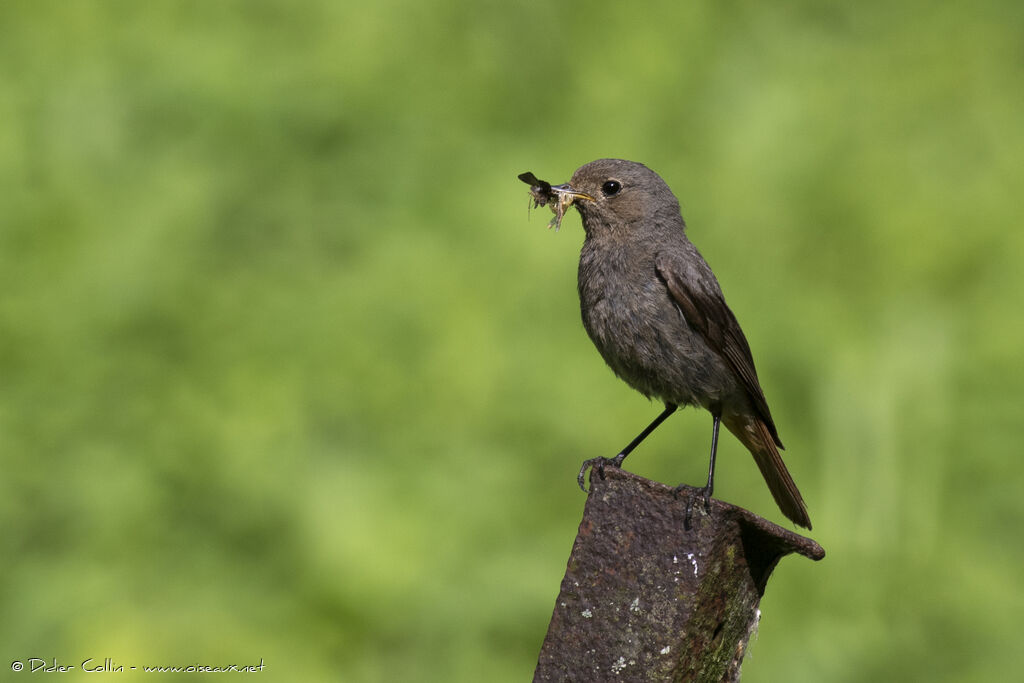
x=707, y=314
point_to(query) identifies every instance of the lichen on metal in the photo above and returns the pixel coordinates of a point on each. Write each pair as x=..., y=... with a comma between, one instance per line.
x=648, y=597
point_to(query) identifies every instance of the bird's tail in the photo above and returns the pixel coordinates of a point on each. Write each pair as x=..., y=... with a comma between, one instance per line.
x=754, y=434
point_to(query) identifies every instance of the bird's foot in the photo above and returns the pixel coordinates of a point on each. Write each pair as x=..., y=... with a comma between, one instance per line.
x=703, y=493
x=600, y=464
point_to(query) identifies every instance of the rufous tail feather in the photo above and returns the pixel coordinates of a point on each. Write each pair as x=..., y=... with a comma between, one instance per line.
x=754, y=434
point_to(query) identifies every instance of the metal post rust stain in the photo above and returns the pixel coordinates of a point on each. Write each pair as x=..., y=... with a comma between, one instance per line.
x=646, y=599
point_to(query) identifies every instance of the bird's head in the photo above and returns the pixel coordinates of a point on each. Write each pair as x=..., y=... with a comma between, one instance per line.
x=615, y=194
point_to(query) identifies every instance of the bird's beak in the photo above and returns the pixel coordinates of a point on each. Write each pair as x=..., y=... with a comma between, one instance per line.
x=567, y=195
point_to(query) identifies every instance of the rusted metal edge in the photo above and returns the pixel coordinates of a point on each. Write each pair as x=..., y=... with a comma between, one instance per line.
x=659, y=589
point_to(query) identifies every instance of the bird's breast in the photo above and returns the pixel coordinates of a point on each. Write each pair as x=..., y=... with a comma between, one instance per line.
x=641, y=334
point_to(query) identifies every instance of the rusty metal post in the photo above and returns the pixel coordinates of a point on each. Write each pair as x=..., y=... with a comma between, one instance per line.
x=645, y=598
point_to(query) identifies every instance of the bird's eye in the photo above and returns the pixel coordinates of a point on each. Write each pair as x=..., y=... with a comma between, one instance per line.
x=611, y=187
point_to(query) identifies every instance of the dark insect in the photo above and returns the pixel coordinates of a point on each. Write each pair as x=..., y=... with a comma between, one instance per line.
x=542, y=195
x=540, y=190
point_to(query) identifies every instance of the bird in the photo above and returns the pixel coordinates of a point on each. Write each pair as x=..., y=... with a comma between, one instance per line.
x=656, y=313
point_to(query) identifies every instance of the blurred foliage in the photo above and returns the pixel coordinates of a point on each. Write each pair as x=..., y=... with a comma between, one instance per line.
x=286, y=372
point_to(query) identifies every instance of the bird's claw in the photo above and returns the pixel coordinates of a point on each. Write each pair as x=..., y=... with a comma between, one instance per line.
x=704, y=492
x=600, y=464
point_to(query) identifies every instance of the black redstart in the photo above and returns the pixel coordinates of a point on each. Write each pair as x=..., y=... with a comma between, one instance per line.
x=655, y=311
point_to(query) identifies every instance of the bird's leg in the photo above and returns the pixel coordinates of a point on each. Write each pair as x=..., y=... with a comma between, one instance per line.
x=707, y=490
x=601, y=463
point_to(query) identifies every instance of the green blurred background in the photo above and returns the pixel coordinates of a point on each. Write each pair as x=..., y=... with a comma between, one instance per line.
x=287, y=373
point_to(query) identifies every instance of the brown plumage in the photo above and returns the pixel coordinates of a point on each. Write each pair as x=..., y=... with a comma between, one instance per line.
x=656, y=313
